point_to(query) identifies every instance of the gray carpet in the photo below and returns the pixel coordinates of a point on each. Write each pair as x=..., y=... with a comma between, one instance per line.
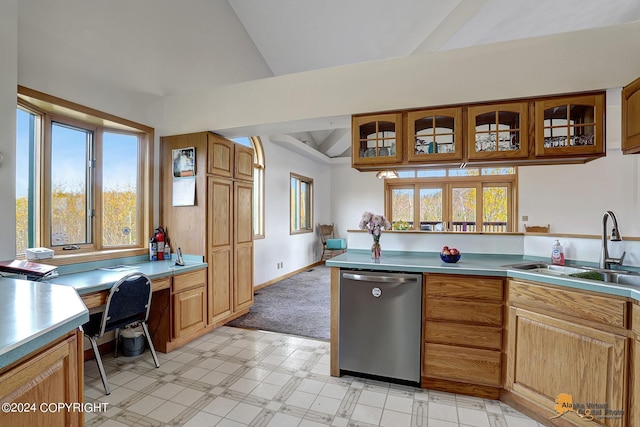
x=298, y=305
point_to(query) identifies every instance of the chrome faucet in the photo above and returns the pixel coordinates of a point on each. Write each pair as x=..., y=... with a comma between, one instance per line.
x=605, y=261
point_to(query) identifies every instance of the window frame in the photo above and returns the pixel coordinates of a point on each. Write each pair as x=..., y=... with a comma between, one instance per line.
x=258, y=187
x=53, y=109
x=310, y=226
x=448, y=183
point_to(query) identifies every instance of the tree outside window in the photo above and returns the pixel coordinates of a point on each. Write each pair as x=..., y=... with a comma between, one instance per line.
x=468, y=200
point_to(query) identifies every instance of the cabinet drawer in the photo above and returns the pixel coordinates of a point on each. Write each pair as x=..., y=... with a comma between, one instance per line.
x=189, y=280
x=160, y=284
x=475, y=287
x=580, y=305
x=468, y=365
x=488, y=337
x=484, y=313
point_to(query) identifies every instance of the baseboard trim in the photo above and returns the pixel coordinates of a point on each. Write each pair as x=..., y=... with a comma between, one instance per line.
x=293, y=273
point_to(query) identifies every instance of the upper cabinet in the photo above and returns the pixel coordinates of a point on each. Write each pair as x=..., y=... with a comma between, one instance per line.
x=498, y=131
x=631, y=117
x=243, y=163
x=569, y=126
x=434, y=135
x=377, y=139
x=220, y=156
x=559, y=129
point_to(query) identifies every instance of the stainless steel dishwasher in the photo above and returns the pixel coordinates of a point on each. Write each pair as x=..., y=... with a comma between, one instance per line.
x=380, y=324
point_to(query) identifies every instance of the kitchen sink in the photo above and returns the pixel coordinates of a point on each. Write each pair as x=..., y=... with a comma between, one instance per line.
x=620, y=277
x=541, y=267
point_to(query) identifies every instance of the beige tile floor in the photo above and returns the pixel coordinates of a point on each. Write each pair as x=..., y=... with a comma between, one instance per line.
x=238, y=377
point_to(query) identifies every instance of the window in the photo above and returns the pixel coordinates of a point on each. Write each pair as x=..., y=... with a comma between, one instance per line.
x=82, y=178
x=258, y=183
x=301, y=204
x=474, y=199
x=27, y=136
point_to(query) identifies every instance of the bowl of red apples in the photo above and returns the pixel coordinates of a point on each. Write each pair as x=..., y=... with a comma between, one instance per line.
x=450, y=255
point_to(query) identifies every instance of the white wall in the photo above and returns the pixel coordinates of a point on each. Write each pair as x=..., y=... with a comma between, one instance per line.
x=8, y=83
x=294, y=251
x=573, y=198
x=353, y=193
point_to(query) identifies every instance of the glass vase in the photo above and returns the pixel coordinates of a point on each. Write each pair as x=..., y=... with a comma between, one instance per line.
x=376, y=251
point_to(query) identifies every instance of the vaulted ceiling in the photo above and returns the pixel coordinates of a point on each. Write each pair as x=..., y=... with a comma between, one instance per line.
x=166, y=47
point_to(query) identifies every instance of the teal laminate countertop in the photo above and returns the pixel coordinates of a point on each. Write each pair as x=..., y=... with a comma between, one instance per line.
x=33, y=314
x=99, y=279
x=472, y=264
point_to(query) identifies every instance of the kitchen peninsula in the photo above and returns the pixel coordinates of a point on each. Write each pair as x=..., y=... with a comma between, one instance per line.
x=526, y=337
x=40, y=352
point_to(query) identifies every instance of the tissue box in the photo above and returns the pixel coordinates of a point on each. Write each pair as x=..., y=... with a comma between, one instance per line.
x=38, y=253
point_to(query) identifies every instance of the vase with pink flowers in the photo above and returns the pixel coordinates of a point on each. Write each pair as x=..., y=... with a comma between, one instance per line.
x=374, y=224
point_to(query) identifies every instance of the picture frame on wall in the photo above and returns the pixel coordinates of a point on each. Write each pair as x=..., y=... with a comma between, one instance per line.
x=184, y=162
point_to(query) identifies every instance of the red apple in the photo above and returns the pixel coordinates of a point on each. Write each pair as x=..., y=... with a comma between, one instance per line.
x=454, y=251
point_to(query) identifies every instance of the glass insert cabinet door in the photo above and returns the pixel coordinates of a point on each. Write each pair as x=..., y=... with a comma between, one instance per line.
x=377, y=139
x=434, y=134
x=570, y=125
x=498, y=131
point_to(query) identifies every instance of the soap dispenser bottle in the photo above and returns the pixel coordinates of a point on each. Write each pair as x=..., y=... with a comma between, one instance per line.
x=557, y=254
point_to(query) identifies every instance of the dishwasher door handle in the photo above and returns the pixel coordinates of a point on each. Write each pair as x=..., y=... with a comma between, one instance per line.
x=384, y=279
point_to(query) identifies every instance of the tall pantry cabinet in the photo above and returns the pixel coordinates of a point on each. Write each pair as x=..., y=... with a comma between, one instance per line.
x=220, y=223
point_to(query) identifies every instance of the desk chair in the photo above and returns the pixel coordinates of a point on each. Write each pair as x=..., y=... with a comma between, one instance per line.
x=329, y=242
x=128, y=302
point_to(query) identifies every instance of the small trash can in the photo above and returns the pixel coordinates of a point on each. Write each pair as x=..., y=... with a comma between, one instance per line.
x=132, y=340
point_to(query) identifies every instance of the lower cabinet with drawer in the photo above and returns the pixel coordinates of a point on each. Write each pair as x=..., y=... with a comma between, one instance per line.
x=567, y=355
x=462, y=334
x=178, y=309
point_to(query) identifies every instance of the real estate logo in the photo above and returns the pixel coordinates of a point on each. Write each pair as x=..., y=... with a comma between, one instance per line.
x=588, y=411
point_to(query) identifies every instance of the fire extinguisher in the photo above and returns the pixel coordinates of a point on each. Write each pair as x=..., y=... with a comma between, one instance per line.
x=160, y=239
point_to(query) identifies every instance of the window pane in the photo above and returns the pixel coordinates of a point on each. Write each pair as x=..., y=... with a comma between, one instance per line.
x=70, y=185
x=463, y=203
x=464, y=172
x=431, y=173
x=495, y=205
x=431, y=209
x=402, y=208
x=301, y=204
x=27, y=128
x=499, y=171
x=406, y=174
x=120, y=189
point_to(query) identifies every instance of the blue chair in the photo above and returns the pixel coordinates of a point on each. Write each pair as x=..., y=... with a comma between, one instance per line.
x=329, y=241
x=128, y=302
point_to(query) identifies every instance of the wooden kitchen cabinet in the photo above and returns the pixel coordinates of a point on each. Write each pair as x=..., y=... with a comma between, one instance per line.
x=462, y=334
x=243, y=246
x=562, y=341
x=220, y=156
x=189, y=302
x=220, y=223
x=498, y=131
x=178, y=311
x=220, y=247
x=377, y=140
x=631, y=117
x=434, y=135
x=634, y=368
x=50, y=375
x=570, y=126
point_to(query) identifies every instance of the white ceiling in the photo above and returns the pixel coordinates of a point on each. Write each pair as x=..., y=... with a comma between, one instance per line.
x=149, y=46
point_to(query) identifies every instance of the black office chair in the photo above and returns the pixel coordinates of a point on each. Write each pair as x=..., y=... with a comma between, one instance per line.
x=129, y=302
